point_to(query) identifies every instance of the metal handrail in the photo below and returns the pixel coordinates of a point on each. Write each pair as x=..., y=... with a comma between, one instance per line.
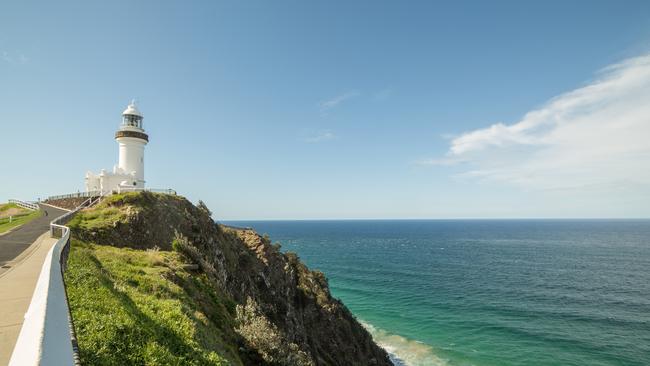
x=107, y=193
x=59, y=222
x=25, y=204
x=76, y=195
x=152, y=190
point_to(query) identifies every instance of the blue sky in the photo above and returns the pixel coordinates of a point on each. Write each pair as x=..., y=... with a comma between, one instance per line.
x=338, y=109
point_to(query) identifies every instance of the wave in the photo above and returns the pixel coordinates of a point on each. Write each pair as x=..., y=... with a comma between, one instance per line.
x=404, y=351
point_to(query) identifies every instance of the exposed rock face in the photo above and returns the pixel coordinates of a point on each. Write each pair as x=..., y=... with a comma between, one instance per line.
x=285, y=313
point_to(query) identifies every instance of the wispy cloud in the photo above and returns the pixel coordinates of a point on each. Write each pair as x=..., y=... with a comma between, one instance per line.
x=594, y=136
x=320, y=137
x=334, y=102
x=446, y=161
x=14, y=59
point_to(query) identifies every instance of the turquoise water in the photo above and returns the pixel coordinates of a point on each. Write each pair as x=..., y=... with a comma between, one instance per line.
x=488, y=292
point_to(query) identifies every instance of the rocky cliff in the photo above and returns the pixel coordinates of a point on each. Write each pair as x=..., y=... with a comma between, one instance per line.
x=282, y=313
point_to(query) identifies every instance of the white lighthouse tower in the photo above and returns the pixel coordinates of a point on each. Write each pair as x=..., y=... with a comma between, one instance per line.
x=132, y=140
x=128, y=174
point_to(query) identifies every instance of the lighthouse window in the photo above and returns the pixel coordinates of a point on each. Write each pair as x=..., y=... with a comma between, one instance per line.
x=131, y=120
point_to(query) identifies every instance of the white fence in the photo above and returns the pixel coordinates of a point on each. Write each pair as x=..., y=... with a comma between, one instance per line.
x=153, y=190
x=24, y=204
x=47, y=336
x=76, y=195
x=91, y=194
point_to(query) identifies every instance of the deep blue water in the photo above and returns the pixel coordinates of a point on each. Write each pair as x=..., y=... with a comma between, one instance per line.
x=488, y=292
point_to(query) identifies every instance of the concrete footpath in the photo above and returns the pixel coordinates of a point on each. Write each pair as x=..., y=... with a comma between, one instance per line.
x=17, y=285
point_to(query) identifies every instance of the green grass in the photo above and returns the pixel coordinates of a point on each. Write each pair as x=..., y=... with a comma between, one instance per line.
x=110, y=210
x=135, y=307
x=137, y=198
x=17, y=220
x=100, y=217
x=6, y=206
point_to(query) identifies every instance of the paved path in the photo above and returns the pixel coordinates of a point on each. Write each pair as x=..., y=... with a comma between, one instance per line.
x=22, y=253
x=15, y=242
x=16, y=290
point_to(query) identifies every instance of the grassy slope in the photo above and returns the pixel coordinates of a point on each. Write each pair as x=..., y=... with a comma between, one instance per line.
x=22, y=218
x=135, y=307
x=99, y=218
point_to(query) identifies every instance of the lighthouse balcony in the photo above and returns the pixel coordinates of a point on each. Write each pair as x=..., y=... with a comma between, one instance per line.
x=134, y=134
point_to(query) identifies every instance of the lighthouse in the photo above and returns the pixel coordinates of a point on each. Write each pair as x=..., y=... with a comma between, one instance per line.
x=128, y=174
x=132, y=139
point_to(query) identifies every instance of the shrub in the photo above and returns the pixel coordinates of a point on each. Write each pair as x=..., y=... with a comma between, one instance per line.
x=203, y=207
x=262, y=335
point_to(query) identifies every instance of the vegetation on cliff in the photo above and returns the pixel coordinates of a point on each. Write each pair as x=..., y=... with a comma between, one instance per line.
x=135, y=300
x=136, y=307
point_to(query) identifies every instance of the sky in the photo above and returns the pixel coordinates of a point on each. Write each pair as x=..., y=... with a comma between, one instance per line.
x=338, y=109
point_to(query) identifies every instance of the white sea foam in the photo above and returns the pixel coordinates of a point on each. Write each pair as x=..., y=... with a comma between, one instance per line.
x=404, y=351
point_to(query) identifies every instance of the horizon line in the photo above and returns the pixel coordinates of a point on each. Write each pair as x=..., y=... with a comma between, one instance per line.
x=451, y=219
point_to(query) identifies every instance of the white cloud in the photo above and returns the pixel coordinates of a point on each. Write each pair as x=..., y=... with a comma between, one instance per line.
x=337, y=100
x=321, y=136
x=17, y=59
x=593, y=138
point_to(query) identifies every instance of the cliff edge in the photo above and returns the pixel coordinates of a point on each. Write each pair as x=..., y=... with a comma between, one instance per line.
x=157, y=270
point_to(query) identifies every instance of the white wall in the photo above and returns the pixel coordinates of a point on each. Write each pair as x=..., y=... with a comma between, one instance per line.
x=132, y=156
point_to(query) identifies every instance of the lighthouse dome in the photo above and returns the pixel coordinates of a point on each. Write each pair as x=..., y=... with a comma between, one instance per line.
x=132, y=110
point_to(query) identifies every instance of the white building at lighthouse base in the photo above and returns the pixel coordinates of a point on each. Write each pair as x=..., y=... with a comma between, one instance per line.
x=113, y=181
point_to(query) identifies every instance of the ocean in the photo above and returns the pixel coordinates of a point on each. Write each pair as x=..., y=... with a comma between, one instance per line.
x=487, y=292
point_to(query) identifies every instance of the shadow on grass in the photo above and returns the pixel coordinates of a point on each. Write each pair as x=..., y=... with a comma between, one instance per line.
x=142, y=332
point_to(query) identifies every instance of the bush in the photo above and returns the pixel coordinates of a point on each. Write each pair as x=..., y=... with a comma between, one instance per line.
x=203, y=207
x=262, y=335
